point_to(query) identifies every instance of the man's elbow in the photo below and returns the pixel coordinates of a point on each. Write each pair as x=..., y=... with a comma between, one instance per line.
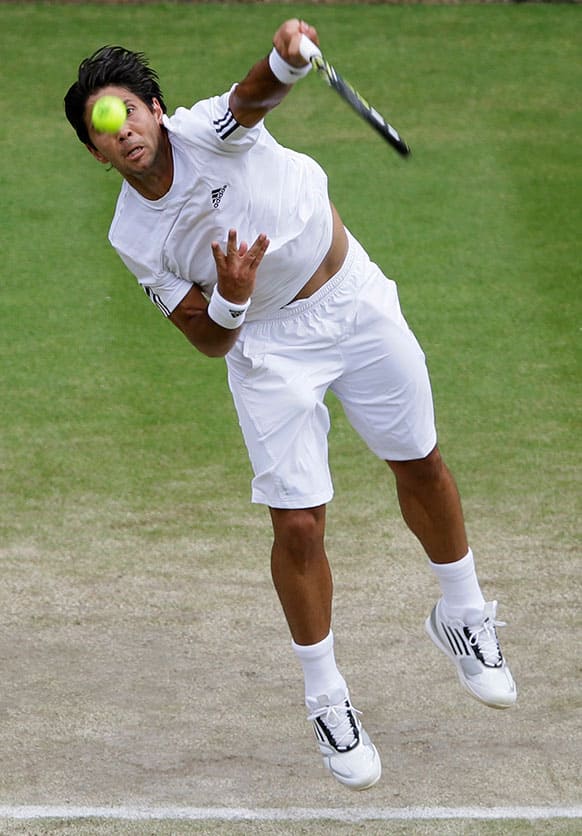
x=203, y=333
x=211, y=346
x=214, y=351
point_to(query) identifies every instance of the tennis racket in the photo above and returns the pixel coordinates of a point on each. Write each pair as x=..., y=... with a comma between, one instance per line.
x=311, y=52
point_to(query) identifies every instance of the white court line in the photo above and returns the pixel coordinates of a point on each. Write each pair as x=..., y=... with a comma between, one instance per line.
x=339, y=814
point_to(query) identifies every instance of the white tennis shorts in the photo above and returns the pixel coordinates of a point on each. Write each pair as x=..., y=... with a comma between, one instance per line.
x=349, y=337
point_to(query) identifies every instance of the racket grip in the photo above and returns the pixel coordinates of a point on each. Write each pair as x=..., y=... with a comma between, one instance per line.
x=308, y=49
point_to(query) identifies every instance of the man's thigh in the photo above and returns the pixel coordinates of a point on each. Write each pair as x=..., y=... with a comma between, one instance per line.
x=280, y=405
x=385, y=389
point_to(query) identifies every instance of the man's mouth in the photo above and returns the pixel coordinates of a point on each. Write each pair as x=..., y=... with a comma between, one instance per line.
x=135, y=152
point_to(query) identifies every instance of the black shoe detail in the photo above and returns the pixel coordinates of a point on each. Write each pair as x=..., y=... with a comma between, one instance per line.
x=477, y=650
x=323, y=734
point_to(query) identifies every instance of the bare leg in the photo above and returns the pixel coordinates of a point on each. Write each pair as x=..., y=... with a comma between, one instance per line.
x=301, y=572
x=431, y=507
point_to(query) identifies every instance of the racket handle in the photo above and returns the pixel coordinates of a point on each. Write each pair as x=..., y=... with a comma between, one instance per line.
x=308, y=49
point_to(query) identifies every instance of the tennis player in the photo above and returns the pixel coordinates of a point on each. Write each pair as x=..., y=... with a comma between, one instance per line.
x=234, y=238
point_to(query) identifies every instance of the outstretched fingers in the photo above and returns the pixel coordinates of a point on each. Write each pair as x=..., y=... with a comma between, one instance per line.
x=236, y=268
x=233, y=251
x=257, y=250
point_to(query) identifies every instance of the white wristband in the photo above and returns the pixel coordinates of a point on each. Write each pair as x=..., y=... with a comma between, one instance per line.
x=224, y=313
x=284, y=72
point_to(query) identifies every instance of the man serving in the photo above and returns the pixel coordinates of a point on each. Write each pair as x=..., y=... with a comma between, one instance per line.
x=234, y=238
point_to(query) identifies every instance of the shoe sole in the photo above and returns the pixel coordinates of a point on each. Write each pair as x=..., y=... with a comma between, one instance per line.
x=436, y=640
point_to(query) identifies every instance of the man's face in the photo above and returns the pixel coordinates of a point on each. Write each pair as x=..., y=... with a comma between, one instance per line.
x=135, y=148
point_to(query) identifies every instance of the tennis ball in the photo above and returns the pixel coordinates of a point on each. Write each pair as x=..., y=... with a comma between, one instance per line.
x=109, y=114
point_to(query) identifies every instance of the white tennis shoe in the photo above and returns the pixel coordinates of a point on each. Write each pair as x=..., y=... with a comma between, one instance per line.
x=347, y=751
x=474, y=650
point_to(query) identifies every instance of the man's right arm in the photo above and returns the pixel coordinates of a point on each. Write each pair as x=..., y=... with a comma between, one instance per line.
x=260, y=91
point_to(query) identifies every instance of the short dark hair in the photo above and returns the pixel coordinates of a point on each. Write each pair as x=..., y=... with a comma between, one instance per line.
x=110, y=65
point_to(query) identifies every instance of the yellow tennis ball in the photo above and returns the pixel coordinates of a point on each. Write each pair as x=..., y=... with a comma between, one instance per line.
x=109, y=114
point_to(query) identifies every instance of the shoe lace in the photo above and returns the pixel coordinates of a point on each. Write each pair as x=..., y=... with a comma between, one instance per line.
x=484, y=636
x=339, y=721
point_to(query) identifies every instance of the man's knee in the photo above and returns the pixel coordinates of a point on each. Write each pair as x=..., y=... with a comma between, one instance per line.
x=429, y=470
x=299, y=530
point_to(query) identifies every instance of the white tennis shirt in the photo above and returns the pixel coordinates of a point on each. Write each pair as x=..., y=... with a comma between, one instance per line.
x=225, y=176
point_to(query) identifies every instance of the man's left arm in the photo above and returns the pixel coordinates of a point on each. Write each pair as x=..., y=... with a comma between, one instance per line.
x=262, y=90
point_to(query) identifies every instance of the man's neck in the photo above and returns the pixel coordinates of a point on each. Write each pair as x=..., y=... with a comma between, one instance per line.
x=159, y=178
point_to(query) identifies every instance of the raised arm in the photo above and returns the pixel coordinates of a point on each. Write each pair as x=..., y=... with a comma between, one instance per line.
x=261, y=90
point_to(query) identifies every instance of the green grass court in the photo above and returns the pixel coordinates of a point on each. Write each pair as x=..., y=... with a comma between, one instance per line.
x=124, y=481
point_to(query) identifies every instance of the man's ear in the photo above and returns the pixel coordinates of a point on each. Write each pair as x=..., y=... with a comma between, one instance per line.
x=157, y=110
x=97, y=154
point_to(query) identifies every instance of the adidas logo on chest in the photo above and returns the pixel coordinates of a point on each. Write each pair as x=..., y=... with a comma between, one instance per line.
x=216, y=195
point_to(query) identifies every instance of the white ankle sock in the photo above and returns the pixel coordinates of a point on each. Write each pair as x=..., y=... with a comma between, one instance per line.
x=319, y=667
x=462, y=596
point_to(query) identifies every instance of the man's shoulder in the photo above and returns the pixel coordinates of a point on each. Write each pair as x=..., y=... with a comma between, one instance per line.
x=188, y=121
x=133, y=224
x=123, y=208
x=210, y=125
x=195, y=124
